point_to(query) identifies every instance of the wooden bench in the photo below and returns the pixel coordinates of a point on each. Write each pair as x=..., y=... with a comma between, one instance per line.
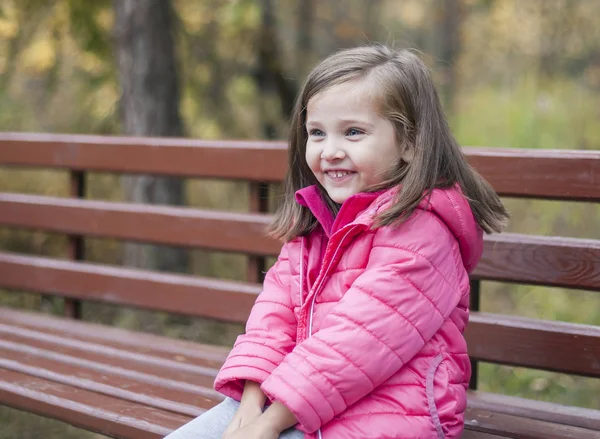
x=132, y=385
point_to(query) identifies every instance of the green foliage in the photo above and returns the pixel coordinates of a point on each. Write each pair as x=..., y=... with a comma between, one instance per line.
x=531, y=113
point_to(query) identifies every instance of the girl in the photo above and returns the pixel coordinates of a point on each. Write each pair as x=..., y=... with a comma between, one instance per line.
x=358, y=331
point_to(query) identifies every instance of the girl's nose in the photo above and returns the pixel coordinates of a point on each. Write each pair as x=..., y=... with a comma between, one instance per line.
x=332, y=151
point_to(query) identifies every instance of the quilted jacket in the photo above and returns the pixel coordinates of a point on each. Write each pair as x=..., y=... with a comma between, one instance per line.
x=359, y=330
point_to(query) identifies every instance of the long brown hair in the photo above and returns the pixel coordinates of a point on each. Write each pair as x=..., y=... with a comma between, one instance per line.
x=407, y=98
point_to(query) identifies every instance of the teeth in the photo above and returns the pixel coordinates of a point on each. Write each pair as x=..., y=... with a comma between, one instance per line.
x=338, y=174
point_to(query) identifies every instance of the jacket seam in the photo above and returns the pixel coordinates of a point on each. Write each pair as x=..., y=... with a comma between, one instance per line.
x=367, y=292
x=241, y=342
x=420, y=290
x=367, y=330
x=276, y=271
x=326, y=378
x=306, y=400
x=356, y=415
x=241, y=366
x=315, y=385
x=458, y=212
x=416, y=253
x=285, y=305
x=330, y=346
x=253, y=356
x=431, y=396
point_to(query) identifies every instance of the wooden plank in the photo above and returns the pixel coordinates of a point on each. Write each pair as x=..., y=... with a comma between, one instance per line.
x=512, y=172
x=471, y=434
x=184, y=294
x=113, y=337
x=182, y=226
x=548, y=345
x=92, y=411
x=184, y=401
x=538, y=173
x=541, y=410
x=255, y=161
x=509, y=257
x=98, y=358
x=541, y=260
x=522, y=428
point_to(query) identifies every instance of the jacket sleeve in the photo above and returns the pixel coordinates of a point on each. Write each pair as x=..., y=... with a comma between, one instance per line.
x=270, y=333
x=386, y=316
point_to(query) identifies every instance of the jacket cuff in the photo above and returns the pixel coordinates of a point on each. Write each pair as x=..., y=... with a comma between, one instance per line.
x=248, y=360
x=305, y=393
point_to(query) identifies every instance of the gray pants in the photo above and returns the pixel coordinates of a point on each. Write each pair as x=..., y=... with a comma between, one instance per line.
x=212, y=424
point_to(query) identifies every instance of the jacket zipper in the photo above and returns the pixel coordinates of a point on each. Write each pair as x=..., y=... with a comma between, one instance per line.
x=318, y=288
x=301, y=272
x=316, y=291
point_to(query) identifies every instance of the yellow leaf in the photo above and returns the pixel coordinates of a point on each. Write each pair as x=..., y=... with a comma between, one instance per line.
x=40, y=56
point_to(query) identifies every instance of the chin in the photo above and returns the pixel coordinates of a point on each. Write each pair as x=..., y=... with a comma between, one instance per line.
x=340, y=198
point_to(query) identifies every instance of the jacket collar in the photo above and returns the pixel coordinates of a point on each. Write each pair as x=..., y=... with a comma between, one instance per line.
x=354, y=209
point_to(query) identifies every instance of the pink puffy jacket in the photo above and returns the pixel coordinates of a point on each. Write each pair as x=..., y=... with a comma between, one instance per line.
x=358, y=331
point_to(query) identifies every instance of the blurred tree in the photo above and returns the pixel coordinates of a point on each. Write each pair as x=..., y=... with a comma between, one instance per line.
x=304, y=36
x=270, y=76
x=149, y=106
x=449, y=41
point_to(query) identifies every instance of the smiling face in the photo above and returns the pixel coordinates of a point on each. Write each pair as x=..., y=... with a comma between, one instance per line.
x=350, y=147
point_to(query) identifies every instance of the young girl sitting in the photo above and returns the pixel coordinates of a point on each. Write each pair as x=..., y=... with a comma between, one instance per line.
x=358, y=332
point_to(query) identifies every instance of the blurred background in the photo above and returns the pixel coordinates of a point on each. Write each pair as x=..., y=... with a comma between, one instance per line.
x=521, y=74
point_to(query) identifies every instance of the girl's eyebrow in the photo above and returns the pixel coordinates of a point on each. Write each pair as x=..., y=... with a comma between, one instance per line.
x=357, y=121
x=344, y=122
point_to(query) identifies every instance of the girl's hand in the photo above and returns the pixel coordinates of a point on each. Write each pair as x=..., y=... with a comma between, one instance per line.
x=244, y=416
x=254, y=430
x=251, y=406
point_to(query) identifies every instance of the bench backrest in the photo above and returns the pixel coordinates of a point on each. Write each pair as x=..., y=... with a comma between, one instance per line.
x=515, y=258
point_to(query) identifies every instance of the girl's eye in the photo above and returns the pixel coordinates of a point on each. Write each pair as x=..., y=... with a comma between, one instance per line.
x=316, y=132
x=354, y=132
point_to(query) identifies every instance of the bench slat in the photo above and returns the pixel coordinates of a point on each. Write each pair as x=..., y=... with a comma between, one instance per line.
x=106, y=383
x=547, y=345
x=544, y=411
x=183, y=226
x=113, y=337
x=239, y=160
x=90, y=355
x=92, y=411
x=522, y=428
x=512, y=172
x=536, y=173
x=185, y=294
x=542, y=260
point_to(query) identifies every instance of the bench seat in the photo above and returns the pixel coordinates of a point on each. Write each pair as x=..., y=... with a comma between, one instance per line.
x=133, y=385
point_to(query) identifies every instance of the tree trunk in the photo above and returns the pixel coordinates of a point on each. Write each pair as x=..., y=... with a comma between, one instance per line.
x=449, y=43
x=304, y=37
x=270, y=77
x=147, y=71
